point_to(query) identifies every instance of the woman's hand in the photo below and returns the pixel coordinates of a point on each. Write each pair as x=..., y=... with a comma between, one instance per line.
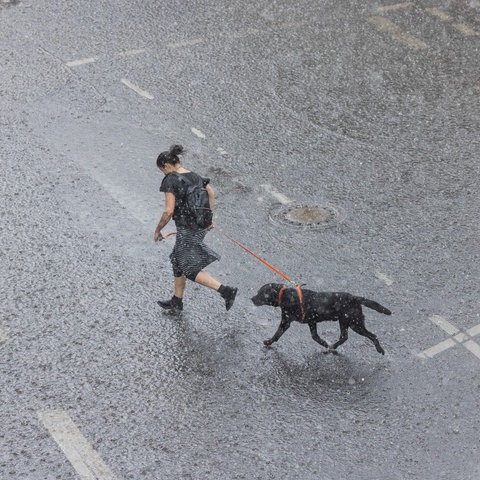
x=157, y=236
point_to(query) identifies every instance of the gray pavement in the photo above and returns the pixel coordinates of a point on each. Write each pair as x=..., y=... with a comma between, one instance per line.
x=371, y=109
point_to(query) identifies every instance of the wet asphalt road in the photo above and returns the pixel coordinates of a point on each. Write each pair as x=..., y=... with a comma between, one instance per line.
x=370, y=110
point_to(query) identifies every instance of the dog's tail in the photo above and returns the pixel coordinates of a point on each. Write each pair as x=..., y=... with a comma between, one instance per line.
x=374, y=305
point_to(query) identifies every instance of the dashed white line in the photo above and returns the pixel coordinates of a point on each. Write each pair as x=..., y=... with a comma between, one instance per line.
x=3, y=336
x=467, y=31
x=198, y=133
x=279, y=196
x=385, y=25
x=137, y=89
x=82, y=61
x=384, y=278
x=186, y=43
x=445, y=17
x=440, y=14
x=84, y=459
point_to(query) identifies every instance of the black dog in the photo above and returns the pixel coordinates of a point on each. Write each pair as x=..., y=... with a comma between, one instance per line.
x=307, y=306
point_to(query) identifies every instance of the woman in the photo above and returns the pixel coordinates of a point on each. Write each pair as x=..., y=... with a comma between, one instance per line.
x=190, y=255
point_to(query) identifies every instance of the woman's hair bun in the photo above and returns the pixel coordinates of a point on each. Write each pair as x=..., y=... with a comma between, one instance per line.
x=176, y=150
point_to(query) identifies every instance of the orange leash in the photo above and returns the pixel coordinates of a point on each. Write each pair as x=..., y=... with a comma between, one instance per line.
x=276, y=270
x=258, y=258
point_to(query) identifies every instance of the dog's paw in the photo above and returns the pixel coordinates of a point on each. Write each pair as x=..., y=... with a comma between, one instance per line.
x=267, y=343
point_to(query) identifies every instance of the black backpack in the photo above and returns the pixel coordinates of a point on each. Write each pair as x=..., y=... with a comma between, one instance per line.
x=197, y=203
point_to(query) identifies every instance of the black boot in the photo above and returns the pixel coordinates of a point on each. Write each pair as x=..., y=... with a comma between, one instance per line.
x=228, y=294
x=175, y=304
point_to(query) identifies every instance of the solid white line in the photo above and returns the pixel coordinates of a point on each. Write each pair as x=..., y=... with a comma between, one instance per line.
x=86, y=461
x=82, y=61
x=198, y=133
x=444, y=325
x=441, y=347
x=473, y=347
x=136, y=89
x=387, y=26
x=279, y=196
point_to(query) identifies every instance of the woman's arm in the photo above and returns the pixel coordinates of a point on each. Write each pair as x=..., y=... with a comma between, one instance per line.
x=166, y=215
x=211, y=195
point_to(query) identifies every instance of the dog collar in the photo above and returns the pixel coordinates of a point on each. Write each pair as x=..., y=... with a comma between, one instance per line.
x=300, y=298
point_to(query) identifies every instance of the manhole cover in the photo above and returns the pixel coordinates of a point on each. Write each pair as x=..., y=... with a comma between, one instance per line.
x=306, y=216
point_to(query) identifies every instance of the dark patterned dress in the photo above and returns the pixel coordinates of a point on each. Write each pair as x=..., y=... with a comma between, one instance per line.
x=190, y=255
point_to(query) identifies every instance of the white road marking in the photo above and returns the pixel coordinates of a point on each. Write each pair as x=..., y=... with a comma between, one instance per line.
x=198, y=133
x=439, y=348
x=444, y=325
x=136, y=89
x=474, y=331
x=82, y=61
x=221, y=151
x=186, y=43
x=279, y=196
x=385, y=25
x=457, y=338
x=439, y=13
x=3, y=336
x=384, y=278
x=473, y=347
x=469, y=32
x=84, y=459
x=396, y=6
x=445, y=17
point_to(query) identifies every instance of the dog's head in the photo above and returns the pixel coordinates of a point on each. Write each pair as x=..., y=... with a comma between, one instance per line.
x=267, y=295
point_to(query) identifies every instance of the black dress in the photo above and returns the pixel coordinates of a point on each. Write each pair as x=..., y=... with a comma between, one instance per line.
x=190, y=255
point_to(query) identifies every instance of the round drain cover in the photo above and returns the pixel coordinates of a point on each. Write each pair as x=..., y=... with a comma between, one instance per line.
x=304, y=216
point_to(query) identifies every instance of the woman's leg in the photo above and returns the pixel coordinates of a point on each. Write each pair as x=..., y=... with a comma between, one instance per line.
x=227, y=293
x=179, y=286
x=203, y=278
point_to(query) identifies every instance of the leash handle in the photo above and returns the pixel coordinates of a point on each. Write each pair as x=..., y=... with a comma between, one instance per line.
x=168, y=235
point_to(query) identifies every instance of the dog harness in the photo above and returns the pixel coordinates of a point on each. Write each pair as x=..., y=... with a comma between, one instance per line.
x=300, y=298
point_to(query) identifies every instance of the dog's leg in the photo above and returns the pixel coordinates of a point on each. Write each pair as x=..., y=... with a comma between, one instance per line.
x=343, y=336
x=361, y=330
x=315, y=336
x=282, y=328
